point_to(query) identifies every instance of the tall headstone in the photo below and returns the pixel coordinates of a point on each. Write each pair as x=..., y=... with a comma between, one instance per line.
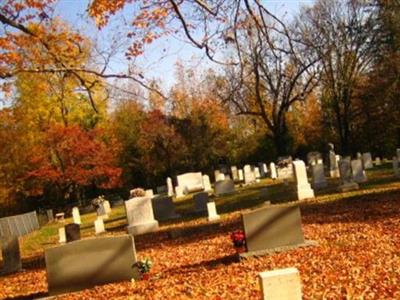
x=164, y=208
x=281, y=284
x=235, y=173
x=50, y=215
x=257, y=172
x=99, y=226
x=101, y=211
x=241, y=176
x=357, y=171
x=224, y=187
x=72, y=232
x=200, y=201
x=318, y=176
x=367, y=160
x=62, y=238
x=207, y=183
x=333, y=162
x=76, y=216
x=272, y=169
x=249, y=176
x=11, y=255
x=303, y=188
x=107, y=207
x=396, y=169
x=170, y=187
x=346, y=176
x=89, y=262
x=139, y=212
x=212, y=211
x=261, y=170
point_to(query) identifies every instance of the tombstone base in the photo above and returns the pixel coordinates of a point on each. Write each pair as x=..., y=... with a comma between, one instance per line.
x=306, y=243
x=348, y=187
x=143, y=228
x=334, y=173
x=214, y=218
x=305, y=192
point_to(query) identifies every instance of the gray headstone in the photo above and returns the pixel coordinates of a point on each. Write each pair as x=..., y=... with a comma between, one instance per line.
x=224, y=187
x=50, y=215
x=200, y=201
x=318, y=176
x=164, y=208
x=346, y=176
x=271, y=227
x=357, y=170
x=11, y=255
x=367, y=160
x=90, y=262
x=72, y=232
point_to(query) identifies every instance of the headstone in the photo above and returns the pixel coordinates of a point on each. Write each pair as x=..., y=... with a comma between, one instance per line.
x=220, y=177
x=206, y=183
x=11, y=255
x=200, y=201
x=357, y=171
x=139, y=212
x=86, y=263
x=367, y=160
x=162, y=189
x=170, y=187
x=62, y=238
x=359, y=155
x=303, y=188
x=191, y=182
x=50, y=215
x=378, y=161
x=257, y=172
x=249, y=176
x=261, y=170
x=333, y=162
x=149, y=193
x=312, y=157
x=107, y=207
x=76, y=216
x=285, y=167
x=346, y=176
x=72, y=232
x=99, y=226
x=281, y=284
x=164, y=208
x=272, y=169
x=224, y=187
x=318, y=176
x=60, y=217
x=272, y=227
x=396, y=169
x=235, y=173
x=179, y=192
x=241, y=176
x=216, y=175
x=212, y=212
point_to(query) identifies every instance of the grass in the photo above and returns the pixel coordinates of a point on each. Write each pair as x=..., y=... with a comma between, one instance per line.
x=380, y=180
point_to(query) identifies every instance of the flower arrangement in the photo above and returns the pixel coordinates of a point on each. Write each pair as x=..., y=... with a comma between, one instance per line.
x=138, y=192
x=238, y=239
x=144, y=267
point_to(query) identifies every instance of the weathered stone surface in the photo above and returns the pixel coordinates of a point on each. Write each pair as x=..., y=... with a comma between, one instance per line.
x=86, y=263
x=11, y=255
x=303, y=188
x=346, y=176
x=272, y=226
x=281, y=284
x=367, y=160
x=139, y=212
x=318, y=176
x=357, y=171
x=72, y=232
x=191, y=182
x=76, y=216
x=164, y=208
x=224, y=187
x=212, y=212
x=200, y=201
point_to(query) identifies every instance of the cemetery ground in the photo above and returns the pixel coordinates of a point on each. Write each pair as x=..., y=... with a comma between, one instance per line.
x=357, y=256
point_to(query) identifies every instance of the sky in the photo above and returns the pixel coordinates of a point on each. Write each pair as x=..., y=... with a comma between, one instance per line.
x=171, y=49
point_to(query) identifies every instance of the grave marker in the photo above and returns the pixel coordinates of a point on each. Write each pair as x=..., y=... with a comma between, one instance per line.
x=139, y=212
x=224, y=187
x=357, y=171
x=303, y=188
x=99, y=226
x=72, y=232
x=346, y=176
x=319, y=180
x=281, y=284
x=76, y=216
x=164, y=208
x=200, y=201
x=11, y=255
x=212, y=212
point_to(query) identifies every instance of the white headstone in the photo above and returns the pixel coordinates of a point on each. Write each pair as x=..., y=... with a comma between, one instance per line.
x=191, y=182
x=249, y=176
x=99, y=226
x=257, y=172
x=107, y=207
x=206, y=183
x=378, y=161
x=367, y=160
x=76, y=216
x=240, y=173
x=170, y=187
x=212, y=211
x=318, y=176
x=304, y=189
x=139, y=211
x=283, y=284
x=149, y=193
x=179, y=192
x=235, y=174
x=220, y=177
x=62, y=237
x=357, y=171
x=272, y=169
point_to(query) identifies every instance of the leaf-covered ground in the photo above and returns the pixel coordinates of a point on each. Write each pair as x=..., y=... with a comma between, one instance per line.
x=357, y=257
